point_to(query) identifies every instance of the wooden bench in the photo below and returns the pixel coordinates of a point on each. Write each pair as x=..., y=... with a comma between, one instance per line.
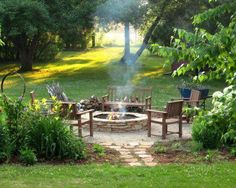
x=128, y=97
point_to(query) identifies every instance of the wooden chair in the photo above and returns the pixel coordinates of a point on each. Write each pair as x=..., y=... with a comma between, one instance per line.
x=69, y=109
x=131, y=97
x=194, y=99
x=76, y=118
x=172, y=115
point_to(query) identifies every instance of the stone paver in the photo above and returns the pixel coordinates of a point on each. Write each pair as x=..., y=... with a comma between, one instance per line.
x=135, y=164
x=134, y=154
x=133, y=146
x=144, y=156
x=151, y=164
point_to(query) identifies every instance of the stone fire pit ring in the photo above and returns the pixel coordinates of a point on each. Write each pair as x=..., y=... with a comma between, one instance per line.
x=137, y=122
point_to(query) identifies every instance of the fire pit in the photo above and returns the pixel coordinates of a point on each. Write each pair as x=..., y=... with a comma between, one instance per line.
x=119, y=122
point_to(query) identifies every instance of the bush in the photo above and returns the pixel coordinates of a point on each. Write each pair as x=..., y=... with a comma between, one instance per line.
x=48, y=136
x=27, y=156
x=51, y=138
x=4, y=143
x=218, y=126
x=4, y=138
x=206, y=133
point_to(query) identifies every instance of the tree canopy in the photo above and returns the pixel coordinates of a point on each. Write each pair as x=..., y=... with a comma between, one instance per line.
x=26, y=24
x=213, y=52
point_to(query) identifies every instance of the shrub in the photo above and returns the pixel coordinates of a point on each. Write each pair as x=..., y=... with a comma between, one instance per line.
x=233, y=151
x=218, y=126
x=50, y=138
x=207, y=133
x=100, y=150
x=27, y=156
x=4, y=143
x=13, y=111
x=4, y=137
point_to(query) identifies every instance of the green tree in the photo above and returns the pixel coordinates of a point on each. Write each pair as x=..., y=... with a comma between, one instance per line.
x=214, y=51
x=23, y=21
x=31, y=24
x=78, y=30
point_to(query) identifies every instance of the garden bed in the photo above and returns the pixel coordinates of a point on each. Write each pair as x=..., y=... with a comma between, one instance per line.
x=186, y=151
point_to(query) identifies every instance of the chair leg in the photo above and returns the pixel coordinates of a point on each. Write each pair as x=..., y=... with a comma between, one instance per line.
x=91, y=123
x=79, y=127
x=180, y=127
x=149, y=124
x=164, y=130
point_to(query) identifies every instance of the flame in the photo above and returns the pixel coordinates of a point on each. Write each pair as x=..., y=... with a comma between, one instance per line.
x=113, y=116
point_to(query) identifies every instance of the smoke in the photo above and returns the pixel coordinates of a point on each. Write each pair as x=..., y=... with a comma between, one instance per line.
x=114, y=12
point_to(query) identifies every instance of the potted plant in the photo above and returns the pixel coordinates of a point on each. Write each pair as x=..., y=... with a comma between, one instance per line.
x=186, y=87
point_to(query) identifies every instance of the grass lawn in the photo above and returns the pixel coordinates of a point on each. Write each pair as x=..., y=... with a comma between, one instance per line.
x=194, y=175
x=82, y=74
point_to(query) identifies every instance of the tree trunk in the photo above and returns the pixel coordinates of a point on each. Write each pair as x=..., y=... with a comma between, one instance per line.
x=148, y=35
x=93, y=40
x=126, y=57
x=26, y=60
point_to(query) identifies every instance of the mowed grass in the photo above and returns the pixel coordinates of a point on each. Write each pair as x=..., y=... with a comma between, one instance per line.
x=194, y=175
x=82, y=74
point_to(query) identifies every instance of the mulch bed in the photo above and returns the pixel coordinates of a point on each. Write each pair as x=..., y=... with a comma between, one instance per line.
x=184, y=155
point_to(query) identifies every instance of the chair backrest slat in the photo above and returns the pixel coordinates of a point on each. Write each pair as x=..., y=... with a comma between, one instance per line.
x=174, y=108
x=195, y=96
x=120, y=92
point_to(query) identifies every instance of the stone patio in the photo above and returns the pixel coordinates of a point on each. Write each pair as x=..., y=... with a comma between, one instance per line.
x=134, y=137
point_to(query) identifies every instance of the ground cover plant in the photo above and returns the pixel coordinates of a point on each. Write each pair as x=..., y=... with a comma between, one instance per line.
x=188, y=151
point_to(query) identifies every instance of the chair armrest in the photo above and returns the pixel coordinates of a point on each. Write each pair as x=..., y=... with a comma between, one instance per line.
x=105, y=97
x=177, y=99
x=148, y=102
x=68, y=102
x=156, y=111
x=160, y=113
x=85, y=112
x=190, y=101
x=148, y=98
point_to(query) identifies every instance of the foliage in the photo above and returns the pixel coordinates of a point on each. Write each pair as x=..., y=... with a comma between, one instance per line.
x=47, y=135
x=100, y=150
x=177, y=14
x=13, y=110
x=121, y=11
x=4, y=143
x=27, y=156
x=191, y=85
x=217, y=127
x=212, y=54
x=30, y=27
x=190, y=112
x=210, y=155
x=50, y=138
x=196, y=146
x=160, y=149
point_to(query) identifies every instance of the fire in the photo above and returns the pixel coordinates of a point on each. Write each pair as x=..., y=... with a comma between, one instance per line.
x=113, y=116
